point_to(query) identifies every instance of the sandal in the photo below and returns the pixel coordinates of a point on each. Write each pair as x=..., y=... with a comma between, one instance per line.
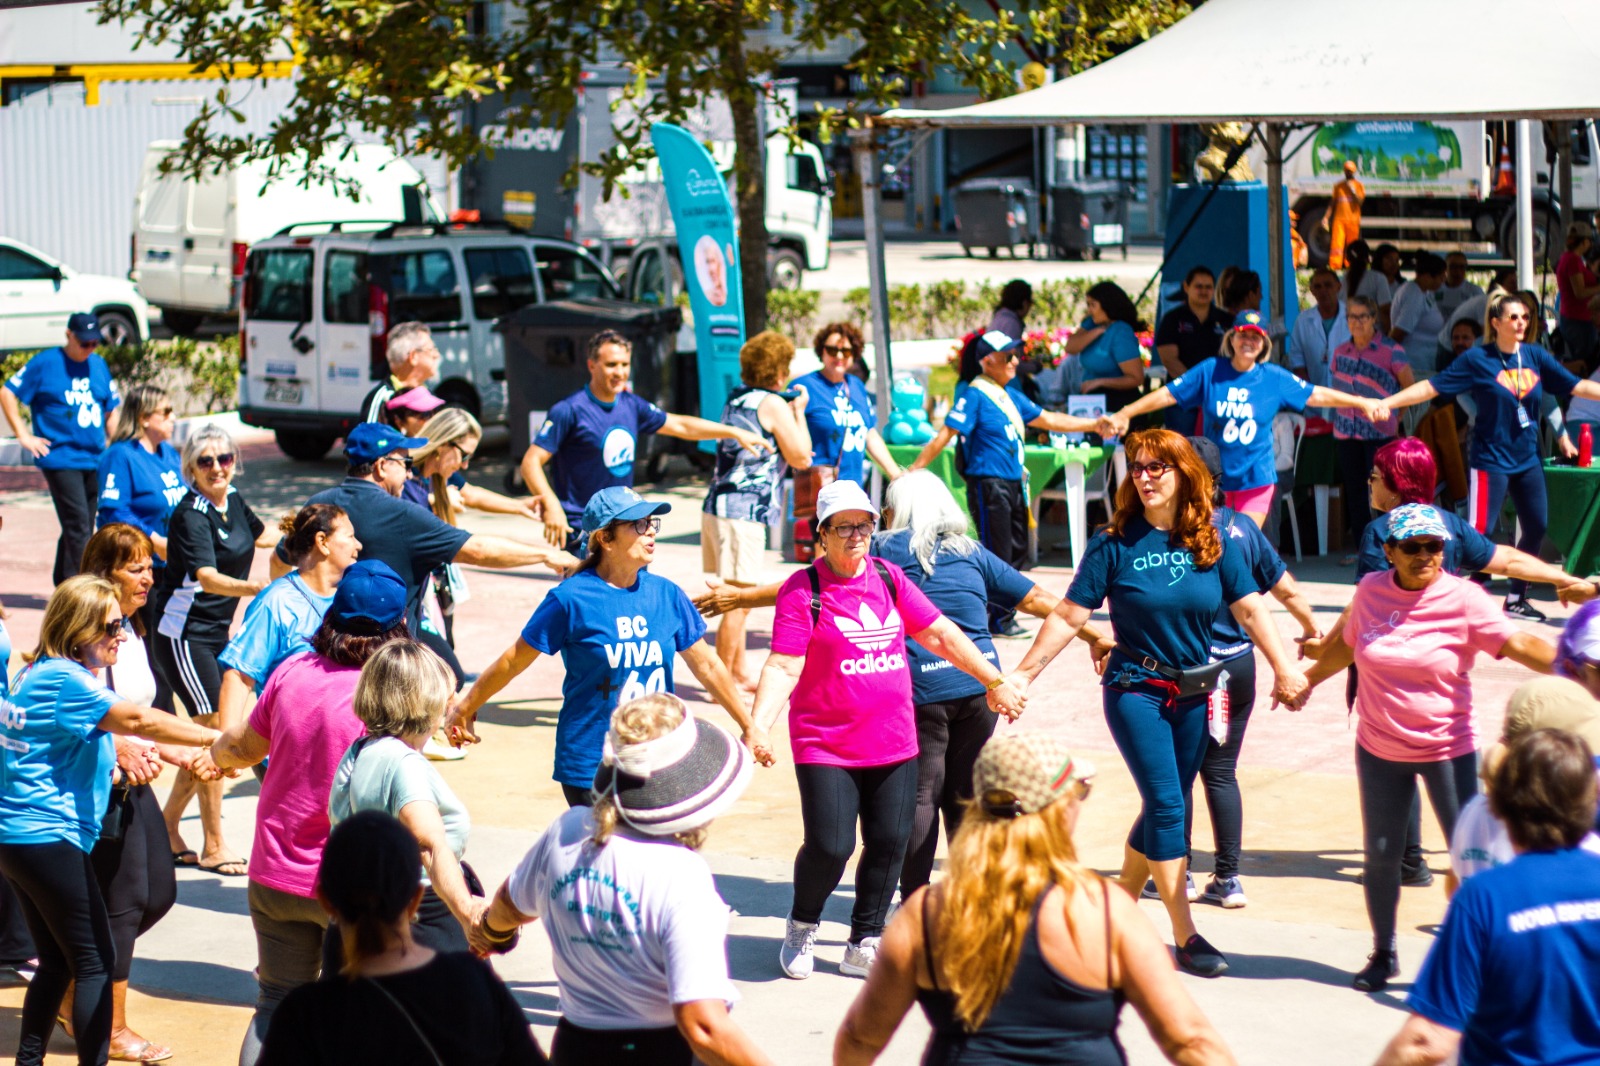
x=144, y=1051
x=186, y=857
x=226, y=868
x=66, y=1026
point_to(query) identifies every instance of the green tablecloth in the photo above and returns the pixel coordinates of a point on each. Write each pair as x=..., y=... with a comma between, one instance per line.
x=1575, y=515
x=1044, y=465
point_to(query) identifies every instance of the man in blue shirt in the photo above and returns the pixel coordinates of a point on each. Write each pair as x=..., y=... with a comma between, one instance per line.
x=992, y=417
x=73, y=401
x=593, y=436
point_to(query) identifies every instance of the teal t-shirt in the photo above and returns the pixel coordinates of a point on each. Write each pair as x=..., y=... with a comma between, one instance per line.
x=385, y=774
x=55, y=760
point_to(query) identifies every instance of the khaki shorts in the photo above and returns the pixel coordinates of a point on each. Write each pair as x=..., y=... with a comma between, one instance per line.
x=732, y=548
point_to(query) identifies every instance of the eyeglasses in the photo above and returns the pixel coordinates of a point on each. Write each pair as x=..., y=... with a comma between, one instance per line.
x=1150, y=470
x=837, y=349
x=1415, y=547
x=113, y=629
x=223, y=460
x=403, y=460
x=643, y=526
x=466, y=456
x=1362, y=317
x=856, y=531
x=164, y=412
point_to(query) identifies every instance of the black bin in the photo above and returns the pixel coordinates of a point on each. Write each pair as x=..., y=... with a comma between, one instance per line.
x=995, y=213
x=1086, y=216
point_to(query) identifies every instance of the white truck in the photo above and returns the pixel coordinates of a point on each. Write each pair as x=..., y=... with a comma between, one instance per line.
x=1431, y=186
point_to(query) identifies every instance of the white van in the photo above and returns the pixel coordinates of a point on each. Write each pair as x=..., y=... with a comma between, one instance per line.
x=191, y=237
x=317, y=308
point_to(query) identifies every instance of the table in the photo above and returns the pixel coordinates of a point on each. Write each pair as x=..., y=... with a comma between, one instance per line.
x=1575, y=515
x=1043, y=463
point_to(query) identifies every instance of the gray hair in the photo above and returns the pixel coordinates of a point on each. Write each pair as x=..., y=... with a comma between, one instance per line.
x=1366, y=303
x=923, y=504
x=207, y=437
x=406, y=338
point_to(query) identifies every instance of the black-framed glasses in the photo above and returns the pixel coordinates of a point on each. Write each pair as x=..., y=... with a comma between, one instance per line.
x=113, y=629
x=1362, y=317
x=1417, y=547
x=643, y=526
x=1151, y=470
x=854, y=530
x=403, y=460
x=222, y=460
x=466, y=456
x=838, y=349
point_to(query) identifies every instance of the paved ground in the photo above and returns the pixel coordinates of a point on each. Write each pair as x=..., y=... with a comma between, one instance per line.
x=919, y=261
x=1293, y=949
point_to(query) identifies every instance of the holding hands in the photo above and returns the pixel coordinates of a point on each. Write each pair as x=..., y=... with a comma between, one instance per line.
x=1291, y=689
x=755, y=738
x=1112, y=425
x=1375, y=410
x=1010, y=697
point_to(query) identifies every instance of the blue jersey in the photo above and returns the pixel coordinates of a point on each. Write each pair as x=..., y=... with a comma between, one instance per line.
x=1508, y=391
x=1105, y=354
x=962, y=585
x=55, y=760
x=991, y=443
x=277, y=624
x=1228, y=637
x=1514, y=968
x=594, y=444
x=616, y=645
x=1162, y=605
x=69, y=402
x=1238, y=411
x=139, y=487
x=1466, y=552
x=838, y=417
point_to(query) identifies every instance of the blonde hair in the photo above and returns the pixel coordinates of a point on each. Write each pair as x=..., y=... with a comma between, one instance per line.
x=138, y=404
x=1266, y=347
x=403, y=690
x=635, y=722
x=448, y=425
x=997, y=870
x=75, y=616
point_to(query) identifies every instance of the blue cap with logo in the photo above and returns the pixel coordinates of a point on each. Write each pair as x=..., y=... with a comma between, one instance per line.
x=370, y=599
x=618, y=504
x=1416, y=520
x=995, y=341
x=86, y=328
x=371, y=441
x=1250, y=320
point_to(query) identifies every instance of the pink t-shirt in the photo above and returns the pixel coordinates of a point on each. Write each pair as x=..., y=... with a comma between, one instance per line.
x=305, y=713
x=1413, y=651
x=1571, y=265
x=852, y=706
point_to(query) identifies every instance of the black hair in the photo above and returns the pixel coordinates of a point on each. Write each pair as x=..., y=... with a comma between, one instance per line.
x=1015, y=295
x=1429, y=263
x=1471, y=323
x=1198, y=271
x=369, y=878
x=1358, y=260
x=1241, y=285
x=603, y=338
x=361, y=470
x=1116, y=303
x=352, y=649
x=1382, y=251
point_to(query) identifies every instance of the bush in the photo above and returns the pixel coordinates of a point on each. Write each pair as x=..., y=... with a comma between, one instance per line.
x=793, y=312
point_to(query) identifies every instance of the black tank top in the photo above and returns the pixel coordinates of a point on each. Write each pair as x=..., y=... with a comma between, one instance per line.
x=1041, y=1018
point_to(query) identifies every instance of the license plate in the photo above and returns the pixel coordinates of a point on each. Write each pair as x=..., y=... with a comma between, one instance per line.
x=282, y=392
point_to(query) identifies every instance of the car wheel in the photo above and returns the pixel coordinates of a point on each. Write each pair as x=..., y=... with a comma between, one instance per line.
x=784, y=269
x=305, y=446
x=118, y=327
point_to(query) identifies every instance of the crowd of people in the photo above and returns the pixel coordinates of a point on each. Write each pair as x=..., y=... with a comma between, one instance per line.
x=341, y=686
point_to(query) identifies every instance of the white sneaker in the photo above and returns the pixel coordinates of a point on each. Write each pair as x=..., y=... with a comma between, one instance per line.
x=798, y=954
x=858, y=958
x=438, y=751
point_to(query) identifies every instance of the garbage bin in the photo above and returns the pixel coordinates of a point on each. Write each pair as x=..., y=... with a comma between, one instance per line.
x=997, y=213
x=1086, y=216
x=545, y=346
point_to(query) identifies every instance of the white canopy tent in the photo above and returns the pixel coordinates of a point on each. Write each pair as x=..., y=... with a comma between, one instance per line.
x=1280, y=64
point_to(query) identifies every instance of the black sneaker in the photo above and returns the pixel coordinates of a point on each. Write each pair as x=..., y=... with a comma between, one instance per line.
x=1201, y=959
x=1374, y=976
x=1519, y=607
x=1410, y=877
x=1012, y=631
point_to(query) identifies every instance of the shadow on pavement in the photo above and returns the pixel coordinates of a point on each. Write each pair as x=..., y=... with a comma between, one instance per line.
x=539, y=1005
x=1247, y=967
x=520, y=714
x=212, y=892
x=190, y=980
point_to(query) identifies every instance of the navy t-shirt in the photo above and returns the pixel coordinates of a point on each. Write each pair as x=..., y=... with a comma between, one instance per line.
x=991, y=444
x=1502, y=439
x=961, y=586
x=616, y=645
x=1466, y=552
x=1196, y=340
x=68, y=401
x=1238, y=410
x=1162, y=605
x=594, y=444
x=1228, y=637
x=1514, y=970
x=838, y=417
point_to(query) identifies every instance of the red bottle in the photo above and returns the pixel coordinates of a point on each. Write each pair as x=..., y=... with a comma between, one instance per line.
x=1585, y=445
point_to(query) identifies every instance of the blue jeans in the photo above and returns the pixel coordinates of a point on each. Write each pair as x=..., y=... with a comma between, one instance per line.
x=1163, y=746
x=1487, y=494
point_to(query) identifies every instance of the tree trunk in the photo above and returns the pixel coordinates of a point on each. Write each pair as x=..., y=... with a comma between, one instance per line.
x=749, y=180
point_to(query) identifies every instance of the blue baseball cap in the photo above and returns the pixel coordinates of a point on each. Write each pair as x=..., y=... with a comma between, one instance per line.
x=370, y=599
x=618, y=504
x=86, y=328
x=995, y=341
x=1416, y=520
x=1250, y=320
x=371, y=441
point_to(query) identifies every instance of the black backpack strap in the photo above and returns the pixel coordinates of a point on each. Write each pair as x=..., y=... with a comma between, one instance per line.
x=883, y=573
x=816, y=595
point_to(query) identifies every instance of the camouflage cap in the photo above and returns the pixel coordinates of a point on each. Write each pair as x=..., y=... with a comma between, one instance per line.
x=1021, y=773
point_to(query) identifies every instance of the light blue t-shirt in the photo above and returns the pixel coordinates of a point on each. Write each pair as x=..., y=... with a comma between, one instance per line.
x=55, y=760
x=277, y=624
x=386, y=774
x=991, y=445
x=1104, y=356
x=1238, y=411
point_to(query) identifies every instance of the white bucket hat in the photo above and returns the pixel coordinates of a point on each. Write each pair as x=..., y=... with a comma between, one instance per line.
x=843, y=495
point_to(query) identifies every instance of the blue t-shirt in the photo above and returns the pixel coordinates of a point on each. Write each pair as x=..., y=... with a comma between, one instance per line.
x=616, y=645
x=1228, y=637
x=991, y=445
x=140, y=488
x=55, y=760
x=1508, y=392
x=1162, y=606
x=69, y=402
x=962, y=586
x=1116, y=345
x=277, y=624
x=1466, y=552
x=1238, y=411
x=593, y=444
x=418, y=490
x=5, y=661
x=1514, y=970
x=838, y=418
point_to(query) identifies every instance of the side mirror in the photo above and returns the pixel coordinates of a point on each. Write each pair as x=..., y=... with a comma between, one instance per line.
x=57, y=276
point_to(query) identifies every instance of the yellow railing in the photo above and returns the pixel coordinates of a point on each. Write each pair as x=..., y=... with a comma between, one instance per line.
x=93, y=74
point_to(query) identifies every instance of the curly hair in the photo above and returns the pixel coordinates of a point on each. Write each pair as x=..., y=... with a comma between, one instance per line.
x=764, y=360
x=843, y=329
x=1191, y=527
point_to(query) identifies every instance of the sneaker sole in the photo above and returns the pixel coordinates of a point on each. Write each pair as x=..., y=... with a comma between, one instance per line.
x=790, y=974
x=1218, y=972
x=853, y=971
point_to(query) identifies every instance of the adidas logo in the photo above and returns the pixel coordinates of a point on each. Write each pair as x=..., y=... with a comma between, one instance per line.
x=882, y=663
x=870, y=634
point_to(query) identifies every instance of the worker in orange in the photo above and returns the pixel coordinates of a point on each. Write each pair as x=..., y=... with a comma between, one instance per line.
x=1343, y=217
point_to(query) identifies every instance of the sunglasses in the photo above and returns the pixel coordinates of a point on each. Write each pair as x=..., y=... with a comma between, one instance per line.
x=206, y=462
x=113, y=629
x=1415, y=547
x=1515, y=318
x=161, y=412
x=835, y=349
x=643, y=526
x=853, y=532
x=466, y=456
x=403, y=460
x=1150, y=470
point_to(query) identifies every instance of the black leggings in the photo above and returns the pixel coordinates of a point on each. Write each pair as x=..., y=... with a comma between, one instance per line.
x=1219, y=771
x=949, y=736
x=999, y=508
x=1355, y=459
x=1387, y=791
x=56, y=886
x=190, y=666
x=577, y=797
x=136, y=877
x=16, y=943
x=576, y=1046
x=832, y=798
x=1487, y=490
x=147, y=614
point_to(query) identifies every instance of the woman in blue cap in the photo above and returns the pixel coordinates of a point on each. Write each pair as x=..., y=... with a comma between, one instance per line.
x=616, y=627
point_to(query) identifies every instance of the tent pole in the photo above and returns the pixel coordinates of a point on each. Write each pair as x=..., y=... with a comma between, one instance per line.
x=864, y=149
x=1564, y=173
x=1525, y=177
x=1275, y=234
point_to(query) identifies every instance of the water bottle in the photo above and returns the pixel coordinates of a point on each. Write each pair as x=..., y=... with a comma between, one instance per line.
x=1585, y=445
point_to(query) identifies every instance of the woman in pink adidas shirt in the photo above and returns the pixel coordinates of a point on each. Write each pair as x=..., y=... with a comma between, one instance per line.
x=839, y=662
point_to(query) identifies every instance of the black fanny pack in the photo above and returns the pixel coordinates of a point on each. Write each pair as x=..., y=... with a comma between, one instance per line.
x=1193, y=681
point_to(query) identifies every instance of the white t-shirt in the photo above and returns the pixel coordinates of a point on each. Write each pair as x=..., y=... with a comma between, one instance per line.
x=1374, y=286
x=1414, y=312
x=1448, y=298
x=636, y=926
x=132, y=678
x=1481, y=842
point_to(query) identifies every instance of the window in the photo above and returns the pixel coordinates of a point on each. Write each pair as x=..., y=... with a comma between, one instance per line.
x=344, y=288
x=803, y=175
x=423, y=287
x=501, y=280
x=568, y=273
x=19, y=266
x=277, y=285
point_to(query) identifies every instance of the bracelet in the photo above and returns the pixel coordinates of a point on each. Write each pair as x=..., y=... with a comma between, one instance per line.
x=996, y=683
x=493, y=935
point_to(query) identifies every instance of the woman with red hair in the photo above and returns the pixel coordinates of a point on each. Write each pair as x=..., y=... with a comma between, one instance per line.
x=1167, y=572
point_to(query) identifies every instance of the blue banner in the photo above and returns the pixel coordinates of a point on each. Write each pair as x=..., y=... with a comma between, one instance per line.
x=708, y=244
